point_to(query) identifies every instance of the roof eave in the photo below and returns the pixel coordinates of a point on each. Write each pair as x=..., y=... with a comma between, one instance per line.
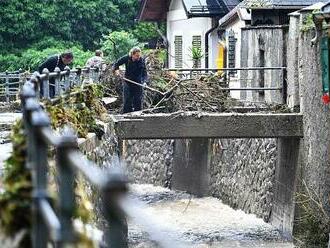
x=190, y=15
x=141, y=9
x=293, y=7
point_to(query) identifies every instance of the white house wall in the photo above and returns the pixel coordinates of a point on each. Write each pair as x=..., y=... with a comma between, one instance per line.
x=179, y=24
x=213, y=49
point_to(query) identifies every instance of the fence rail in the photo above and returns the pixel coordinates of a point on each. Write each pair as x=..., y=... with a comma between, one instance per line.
x=62, y=81
x=56, y=226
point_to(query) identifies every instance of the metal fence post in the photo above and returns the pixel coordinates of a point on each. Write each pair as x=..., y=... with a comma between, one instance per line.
x=7, y=86
x=67, y=85
x=26, y=94
x=45, y=84
x=117, y=231
x=20, y=82
x=57, y=81
x=66, y=187
x=96, y=73
x=87, y=76
x=35, y=83
x=39, y=174
x=78, y=77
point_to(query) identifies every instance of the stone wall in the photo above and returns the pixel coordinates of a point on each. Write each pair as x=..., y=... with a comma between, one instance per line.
x=149, y=161
x=241, y=171
x=242, y=174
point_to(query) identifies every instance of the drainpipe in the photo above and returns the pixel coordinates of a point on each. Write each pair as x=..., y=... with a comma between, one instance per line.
x=215, y=24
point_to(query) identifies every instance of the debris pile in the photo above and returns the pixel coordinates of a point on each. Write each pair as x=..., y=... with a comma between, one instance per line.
x=186, y=92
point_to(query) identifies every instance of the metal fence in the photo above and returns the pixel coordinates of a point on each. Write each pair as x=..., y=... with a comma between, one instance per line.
x=55, y=225
x=250, y=82
x=62, y=81
x=10, y=85
x=190, y=72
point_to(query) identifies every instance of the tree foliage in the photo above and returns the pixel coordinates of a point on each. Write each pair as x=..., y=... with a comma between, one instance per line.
x=32, y=30
x=31, y=58
x=117, y=44
x=24, y=22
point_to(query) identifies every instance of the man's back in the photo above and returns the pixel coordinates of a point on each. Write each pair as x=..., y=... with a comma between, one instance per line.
x=95, y=61
x=51, y=63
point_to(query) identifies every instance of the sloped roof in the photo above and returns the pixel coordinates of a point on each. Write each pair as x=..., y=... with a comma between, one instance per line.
x=155, y=10
x=260, y=4
x=208, y=8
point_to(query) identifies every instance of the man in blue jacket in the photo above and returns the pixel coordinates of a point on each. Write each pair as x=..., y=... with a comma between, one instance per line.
x=135, y=71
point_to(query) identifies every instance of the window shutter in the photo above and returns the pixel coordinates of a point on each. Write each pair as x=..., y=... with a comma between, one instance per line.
x=178, y=51
x=231, y=51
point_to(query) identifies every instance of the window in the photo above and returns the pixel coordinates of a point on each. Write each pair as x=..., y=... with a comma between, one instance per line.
x=178, y=51
x=197, y=50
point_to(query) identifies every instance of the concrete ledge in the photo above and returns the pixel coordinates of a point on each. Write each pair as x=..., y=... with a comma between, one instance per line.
x=206, y=125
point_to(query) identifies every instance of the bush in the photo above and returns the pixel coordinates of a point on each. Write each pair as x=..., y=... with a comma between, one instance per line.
x=32, y=58
x=145, y=31
x=117, y=44
x=8, y=62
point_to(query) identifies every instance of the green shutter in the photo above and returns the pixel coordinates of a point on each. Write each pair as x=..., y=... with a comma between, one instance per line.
x=325, y=63
x=178, y=51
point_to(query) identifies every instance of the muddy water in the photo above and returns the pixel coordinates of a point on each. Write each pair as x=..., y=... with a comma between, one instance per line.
x=177, y=219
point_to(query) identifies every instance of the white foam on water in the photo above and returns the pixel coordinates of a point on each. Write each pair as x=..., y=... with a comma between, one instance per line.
x=199, y=222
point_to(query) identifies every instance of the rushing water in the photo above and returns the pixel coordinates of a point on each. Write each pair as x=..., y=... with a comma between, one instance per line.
x=176, y=219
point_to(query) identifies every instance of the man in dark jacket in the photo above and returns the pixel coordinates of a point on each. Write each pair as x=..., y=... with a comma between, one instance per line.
x=60, y=61
x=135, y=71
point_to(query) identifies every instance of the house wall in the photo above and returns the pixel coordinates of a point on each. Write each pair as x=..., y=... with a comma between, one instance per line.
x=179, y=24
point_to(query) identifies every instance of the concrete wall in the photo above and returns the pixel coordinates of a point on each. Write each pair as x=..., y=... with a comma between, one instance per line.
x=292, y=99
x=271, y=39
x=316, y=144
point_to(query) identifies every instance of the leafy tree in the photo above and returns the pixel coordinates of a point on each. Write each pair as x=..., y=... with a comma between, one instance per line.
x=145, y=31
x=117, y=44
x=24, y=22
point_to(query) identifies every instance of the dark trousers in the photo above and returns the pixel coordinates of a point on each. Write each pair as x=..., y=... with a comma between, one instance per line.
x=133, y=96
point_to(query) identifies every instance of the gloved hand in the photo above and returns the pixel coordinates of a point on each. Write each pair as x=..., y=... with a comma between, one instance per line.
x=117, y=73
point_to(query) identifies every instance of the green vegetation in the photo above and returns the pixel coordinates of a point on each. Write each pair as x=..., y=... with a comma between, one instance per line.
x=32, y=30
x=80, y=112
x=307, y=23
x=117, y=44
x=314, y=220
x=32, y=58
x=15, y=201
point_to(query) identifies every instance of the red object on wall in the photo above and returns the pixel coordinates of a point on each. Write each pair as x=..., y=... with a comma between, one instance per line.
x=326, y=98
